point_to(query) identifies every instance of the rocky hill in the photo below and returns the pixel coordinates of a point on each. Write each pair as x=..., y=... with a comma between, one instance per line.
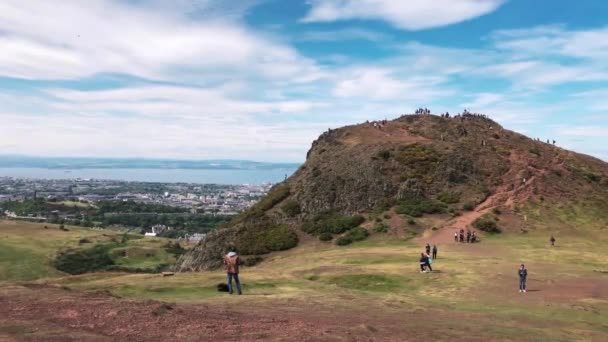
x=415, y=173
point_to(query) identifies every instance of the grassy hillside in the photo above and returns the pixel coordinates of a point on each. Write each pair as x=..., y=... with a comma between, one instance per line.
x=372, y=289
x=472, y=291
x=27, y=250
x=414, y=173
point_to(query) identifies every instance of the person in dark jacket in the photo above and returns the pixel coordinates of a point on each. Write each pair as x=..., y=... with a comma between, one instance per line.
x=423, y=261
x=231, y=263
x=523, y=274
x=552, y=240
x=434, y=252
x=428, y=249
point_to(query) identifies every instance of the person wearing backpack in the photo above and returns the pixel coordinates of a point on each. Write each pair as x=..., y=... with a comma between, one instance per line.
x=231, y=263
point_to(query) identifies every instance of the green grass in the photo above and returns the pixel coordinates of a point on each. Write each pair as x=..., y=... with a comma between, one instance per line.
x=474, y=283
x=368, y=282
x=27, y=249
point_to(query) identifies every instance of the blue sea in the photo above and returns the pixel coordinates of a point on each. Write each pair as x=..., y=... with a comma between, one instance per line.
x=156, y=175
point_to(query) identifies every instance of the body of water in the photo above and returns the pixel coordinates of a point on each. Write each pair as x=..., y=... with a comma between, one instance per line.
x=155, y=175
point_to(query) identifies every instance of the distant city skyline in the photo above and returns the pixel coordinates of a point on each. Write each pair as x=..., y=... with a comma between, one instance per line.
x=261, y=79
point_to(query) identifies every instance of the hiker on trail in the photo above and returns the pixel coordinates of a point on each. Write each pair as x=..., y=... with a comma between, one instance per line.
x=455, y=236
x=552, y=240
x=462, y=235
x=231, y=263
x=468, y=236
x=428, y=249
x=434, y=252
x=473, y=237
x=523, y=274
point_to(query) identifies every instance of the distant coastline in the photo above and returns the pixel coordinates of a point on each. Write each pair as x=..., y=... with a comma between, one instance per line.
x=198, y=176
x=71, y=163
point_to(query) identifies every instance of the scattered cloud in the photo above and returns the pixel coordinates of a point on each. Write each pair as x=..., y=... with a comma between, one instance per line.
x=344, y=35
x=72, y=39
x=407, y=15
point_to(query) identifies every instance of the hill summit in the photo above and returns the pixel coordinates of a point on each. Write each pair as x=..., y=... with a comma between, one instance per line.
x=417, y=173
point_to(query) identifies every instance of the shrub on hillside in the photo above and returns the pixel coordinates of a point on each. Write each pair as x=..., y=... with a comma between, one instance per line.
x=82, y=261
x=291, y=208
x=343, y=241
x=449, y=197
x=381, y=228
x=253, y=240
x=357, y=234
x=383, y=205
x=593, y=177
x=174, y=248
x=384, y=154
x=326, y=236
x=468, y=206
x=486, y=223
x=332, y=222
x=252, y=260
x=418, y=208
x=535, y=151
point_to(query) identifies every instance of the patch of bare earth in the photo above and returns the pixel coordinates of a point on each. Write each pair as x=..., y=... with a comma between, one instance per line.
x=47, y=313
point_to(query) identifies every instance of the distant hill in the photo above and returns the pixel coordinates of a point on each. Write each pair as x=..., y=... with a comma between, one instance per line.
x=136, y=163
x=416, y=173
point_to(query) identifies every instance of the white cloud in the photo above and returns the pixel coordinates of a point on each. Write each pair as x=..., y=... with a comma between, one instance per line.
x=343, y=35
x=380, y=84
x=584, y=131
x=554, y=40
x=70, y=39
x=408, y=15
x=157, y=121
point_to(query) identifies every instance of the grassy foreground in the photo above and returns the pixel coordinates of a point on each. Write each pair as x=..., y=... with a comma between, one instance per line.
x=472, y=291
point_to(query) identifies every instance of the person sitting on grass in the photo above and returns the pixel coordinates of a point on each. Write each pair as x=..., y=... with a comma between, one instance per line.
x=231, y=263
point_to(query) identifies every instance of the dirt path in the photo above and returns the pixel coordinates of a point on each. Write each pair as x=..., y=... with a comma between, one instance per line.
x=44, y=313
x=504, y=196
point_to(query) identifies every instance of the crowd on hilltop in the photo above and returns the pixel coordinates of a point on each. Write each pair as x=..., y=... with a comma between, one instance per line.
x=423, y=111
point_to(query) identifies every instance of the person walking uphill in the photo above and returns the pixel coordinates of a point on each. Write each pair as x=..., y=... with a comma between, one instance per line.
x=523, y=274
x=231, y=263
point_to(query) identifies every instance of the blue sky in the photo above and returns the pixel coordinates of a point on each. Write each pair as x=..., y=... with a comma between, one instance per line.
x=260, y=79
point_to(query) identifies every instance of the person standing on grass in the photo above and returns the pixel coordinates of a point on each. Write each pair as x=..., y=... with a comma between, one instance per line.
x=231, y=263
x=434, y=252
x=523, y=274
x=428, y=249
x=552, y=240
